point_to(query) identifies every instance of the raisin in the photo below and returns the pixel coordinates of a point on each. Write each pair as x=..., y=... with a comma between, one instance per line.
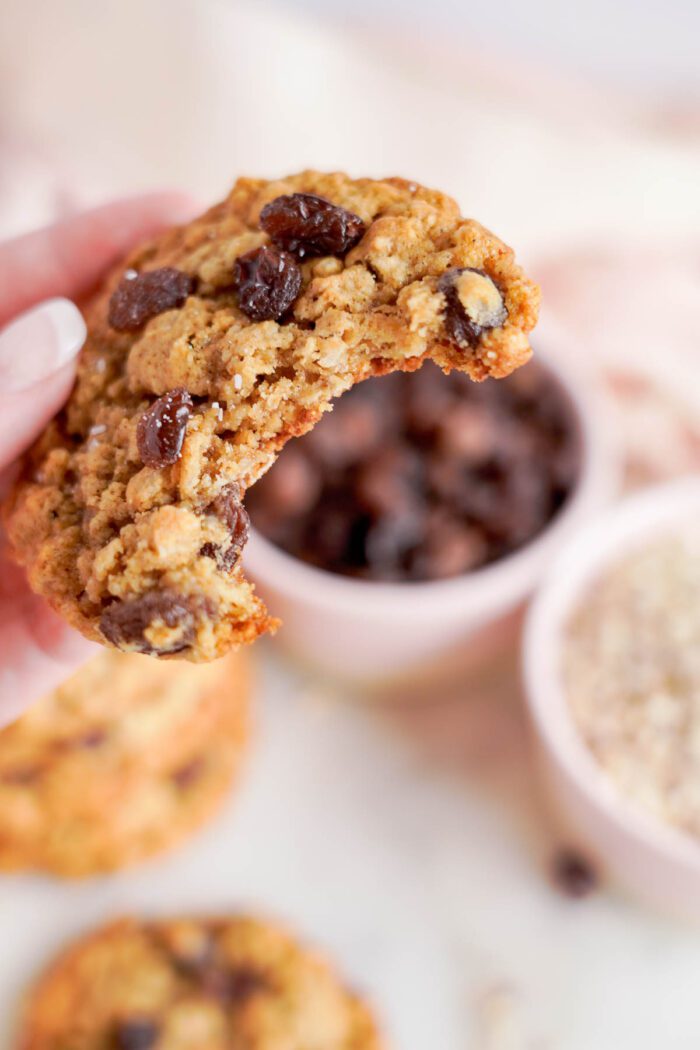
x=470, y=313
x=306, y=225
x=388, y=543
x=124, y=623
x=390, y=481
x=246, y=982
x=217, y=979
x=231, y=987
x=189, y=774
x=93, y=738
x=160, y=432
x=136, y=1033
x=267, y=281
x=422, y=476
x=21, y=776
x=227, y=507
x=140, y=296
x=573, y=874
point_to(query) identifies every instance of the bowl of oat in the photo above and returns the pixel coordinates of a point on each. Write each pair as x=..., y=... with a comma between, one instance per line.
x=611, y=665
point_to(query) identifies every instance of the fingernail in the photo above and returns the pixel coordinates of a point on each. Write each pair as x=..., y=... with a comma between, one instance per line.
x=38, y=343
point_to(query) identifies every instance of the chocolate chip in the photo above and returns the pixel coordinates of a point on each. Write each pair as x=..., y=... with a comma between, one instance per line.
x=306, y=225
x=229, y=509
x=124, y=623
x=136, y=1033
x=140, y=296
x=160, y=431
x=473, y=304
x=267, y=282
x=573, y=874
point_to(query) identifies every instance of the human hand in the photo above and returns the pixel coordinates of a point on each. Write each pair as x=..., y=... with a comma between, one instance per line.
x=38, y=350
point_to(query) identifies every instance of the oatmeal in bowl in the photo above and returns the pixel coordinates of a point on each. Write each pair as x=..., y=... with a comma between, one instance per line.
x=612, y=678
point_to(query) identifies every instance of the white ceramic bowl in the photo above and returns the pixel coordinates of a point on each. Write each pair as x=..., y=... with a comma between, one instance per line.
x=658, y=863
x=378, y=633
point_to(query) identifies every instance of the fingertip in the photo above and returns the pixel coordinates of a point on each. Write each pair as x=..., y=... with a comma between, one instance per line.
x=32, y=666
x=62, y=645
x=23, y=415
x=39, y=343
x=69, y=256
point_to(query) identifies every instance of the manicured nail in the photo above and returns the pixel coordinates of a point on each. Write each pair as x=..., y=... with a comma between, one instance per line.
x=38, y=343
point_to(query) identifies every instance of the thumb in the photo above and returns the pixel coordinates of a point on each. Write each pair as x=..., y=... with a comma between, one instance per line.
x=37, y=365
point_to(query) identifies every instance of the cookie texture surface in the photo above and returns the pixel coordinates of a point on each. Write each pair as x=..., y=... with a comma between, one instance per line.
x=125, y=760
x=194, y=984
x=208, y=349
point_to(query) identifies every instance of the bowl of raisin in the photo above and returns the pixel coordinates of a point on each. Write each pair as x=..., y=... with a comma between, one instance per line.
x=421, y=511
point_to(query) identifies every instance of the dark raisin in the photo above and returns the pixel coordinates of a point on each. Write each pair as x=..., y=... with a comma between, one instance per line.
x=466, y=321
x=294, y=485
x=390, y=481
x=136, y=1033
x=449, y=547
x=216, y=978
x=124, y=623
x=246, y=982
x=161, y=429
x=140, y=296
x=88, y=741
x=422, y=476
x=231, y=987
x=21, y=776
x=189, y=774
x=305, y=224
x=388, y=543
x=573, y=874
x=267, y=282
x=227, y=507
x=350, y=434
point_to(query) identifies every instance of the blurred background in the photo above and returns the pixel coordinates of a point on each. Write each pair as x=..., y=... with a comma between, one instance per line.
x=563, y=131
x=408, y=838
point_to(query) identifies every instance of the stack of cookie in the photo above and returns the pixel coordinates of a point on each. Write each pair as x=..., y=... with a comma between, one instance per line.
x=208, y=349
x=121, y=762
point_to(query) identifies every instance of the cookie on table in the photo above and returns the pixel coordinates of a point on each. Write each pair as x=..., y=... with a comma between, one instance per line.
x=194, y=984
x=211, y=346
x=125, y=760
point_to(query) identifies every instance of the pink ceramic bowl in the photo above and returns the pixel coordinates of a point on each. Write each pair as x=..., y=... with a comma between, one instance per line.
x=379, y=633
x=658, y=863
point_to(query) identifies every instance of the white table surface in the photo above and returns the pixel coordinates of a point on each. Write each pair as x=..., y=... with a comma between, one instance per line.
x=409, y=839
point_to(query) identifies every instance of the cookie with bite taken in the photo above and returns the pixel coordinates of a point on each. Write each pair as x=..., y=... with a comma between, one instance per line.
x=208, y=349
